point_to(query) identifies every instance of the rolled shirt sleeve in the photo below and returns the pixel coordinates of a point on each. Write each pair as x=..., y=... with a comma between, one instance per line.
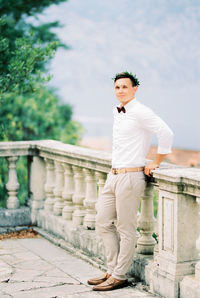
x=154, y=124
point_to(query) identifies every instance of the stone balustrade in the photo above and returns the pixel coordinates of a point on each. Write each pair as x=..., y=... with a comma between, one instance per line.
x=65, y=183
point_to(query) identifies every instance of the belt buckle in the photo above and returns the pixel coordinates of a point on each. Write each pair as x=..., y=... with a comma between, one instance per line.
x=114, y=171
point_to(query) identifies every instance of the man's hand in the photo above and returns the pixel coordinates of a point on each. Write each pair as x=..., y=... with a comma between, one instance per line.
x=149, y=168
x=154, y=164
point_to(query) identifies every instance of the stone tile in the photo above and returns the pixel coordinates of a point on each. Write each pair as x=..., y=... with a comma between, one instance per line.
x=44, y=249
x=2, y=295
x=10, y=251
x=127, y=292
x=79, y=269
x=23, y=257
x=11, y=245
x=34, y=265
x=59, y=292
x=91, y=294
x=26, y=255
x=5, y=271
x=11, y=287
x=58, y=280
x=55, y=272
x=8, y=258
x=25, y=275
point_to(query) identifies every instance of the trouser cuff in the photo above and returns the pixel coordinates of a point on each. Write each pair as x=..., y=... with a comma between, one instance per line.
x=120, y=277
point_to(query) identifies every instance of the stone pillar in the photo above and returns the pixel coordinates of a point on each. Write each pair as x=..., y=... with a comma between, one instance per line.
x=197, y=267
x=178, y=218
x=90, y=199
x=146, y=242
x=78, y=196
x=49, y=185
x=68, y=192
x=156, y=249
x=59, y=183
x=12, y=184
x=190, y=285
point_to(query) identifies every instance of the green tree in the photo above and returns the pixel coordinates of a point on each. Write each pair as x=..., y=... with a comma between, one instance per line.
x=25, y=50
x=37, y=116
x=29, y=110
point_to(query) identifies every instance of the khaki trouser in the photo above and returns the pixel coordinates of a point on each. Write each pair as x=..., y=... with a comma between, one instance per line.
x=119, y=200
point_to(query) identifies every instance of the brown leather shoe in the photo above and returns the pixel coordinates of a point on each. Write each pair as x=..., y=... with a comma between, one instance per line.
x=111, y=284
x=98, y=280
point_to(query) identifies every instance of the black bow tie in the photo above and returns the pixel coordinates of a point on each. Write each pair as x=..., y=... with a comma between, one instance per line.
x=121, y=109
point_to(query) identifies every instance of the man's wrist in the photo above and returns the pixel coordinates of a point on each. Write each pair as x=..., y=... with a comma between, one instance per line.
x=157, y=164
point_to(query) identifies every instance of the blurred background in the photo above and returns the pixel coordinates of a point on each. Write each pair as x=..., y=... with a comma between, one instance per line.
x=157, y=40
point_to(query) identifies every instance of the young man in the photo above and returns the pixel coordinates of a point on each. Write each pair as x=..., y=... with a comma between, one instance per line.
x=134, y=124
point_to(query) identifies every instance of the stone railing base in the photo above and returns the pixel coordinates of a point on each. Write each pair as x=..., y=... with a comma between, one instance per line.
x=15, y=217
x=190, y=287
x=140, y=267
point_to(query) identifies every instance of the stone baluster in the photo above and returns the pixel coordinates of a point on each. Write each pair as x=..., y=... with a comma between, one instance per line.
x=101, y=180
x=68, y=192
x=12, y=184
x=78, y=196
x=36, y=185
x=49, y=185
x=146, y=242
x=59, y=183
x=90, y=199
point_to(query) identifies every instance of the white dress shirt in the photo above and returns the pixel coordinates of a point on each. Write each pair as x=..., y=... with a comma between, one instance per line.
x=132, y=134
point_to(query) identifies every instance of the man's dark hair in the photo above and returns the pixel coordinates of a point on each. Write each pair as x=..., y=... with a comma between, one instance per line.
x=129, y=75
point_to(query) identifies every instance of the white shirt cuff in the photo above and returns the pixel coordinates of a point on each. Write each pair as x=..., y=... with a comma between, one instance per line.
x=162, y=150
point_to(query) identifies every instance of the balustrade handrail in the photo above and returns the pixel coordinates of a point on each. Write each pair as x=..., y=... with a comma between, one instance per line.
x=76, y=155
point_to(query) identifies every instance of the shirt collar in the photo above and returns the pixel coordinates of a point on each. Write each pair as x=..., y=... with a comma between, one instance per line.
x=130, y=104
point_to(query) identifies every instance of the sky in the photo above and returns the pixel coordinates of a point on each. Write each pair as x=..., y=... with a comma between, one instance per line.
x=158, y=40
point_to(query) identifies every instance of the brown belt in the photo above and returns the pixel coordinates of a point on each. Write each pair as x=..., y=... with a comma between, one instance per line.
x=125, y=170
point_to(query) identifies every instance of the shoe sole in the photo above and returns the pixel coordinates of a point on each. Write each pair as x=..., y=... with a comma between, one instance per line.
x=112, y=288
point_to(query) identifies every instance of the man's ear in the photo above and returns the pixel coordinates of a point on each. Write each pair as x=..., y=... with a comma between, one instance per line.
x=135, y=88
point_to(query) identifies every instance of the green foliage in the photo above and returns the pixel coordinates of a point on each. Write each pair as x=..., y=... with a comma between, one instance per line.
x=37, y=116
x=43, y=32
x=28, y=109
x=155, y=204
x=21, y=60
x=3, y=181
x=18, y=8
x=25, y=48
x=22, y=174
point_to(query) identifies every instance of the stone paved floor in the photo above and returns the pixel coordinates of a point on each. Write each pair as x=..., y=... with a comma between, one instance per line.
x=37, y=268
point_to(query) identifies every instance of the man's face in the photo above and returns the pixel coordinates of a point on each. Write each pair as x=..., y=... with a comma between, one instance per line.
x=124, y=90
